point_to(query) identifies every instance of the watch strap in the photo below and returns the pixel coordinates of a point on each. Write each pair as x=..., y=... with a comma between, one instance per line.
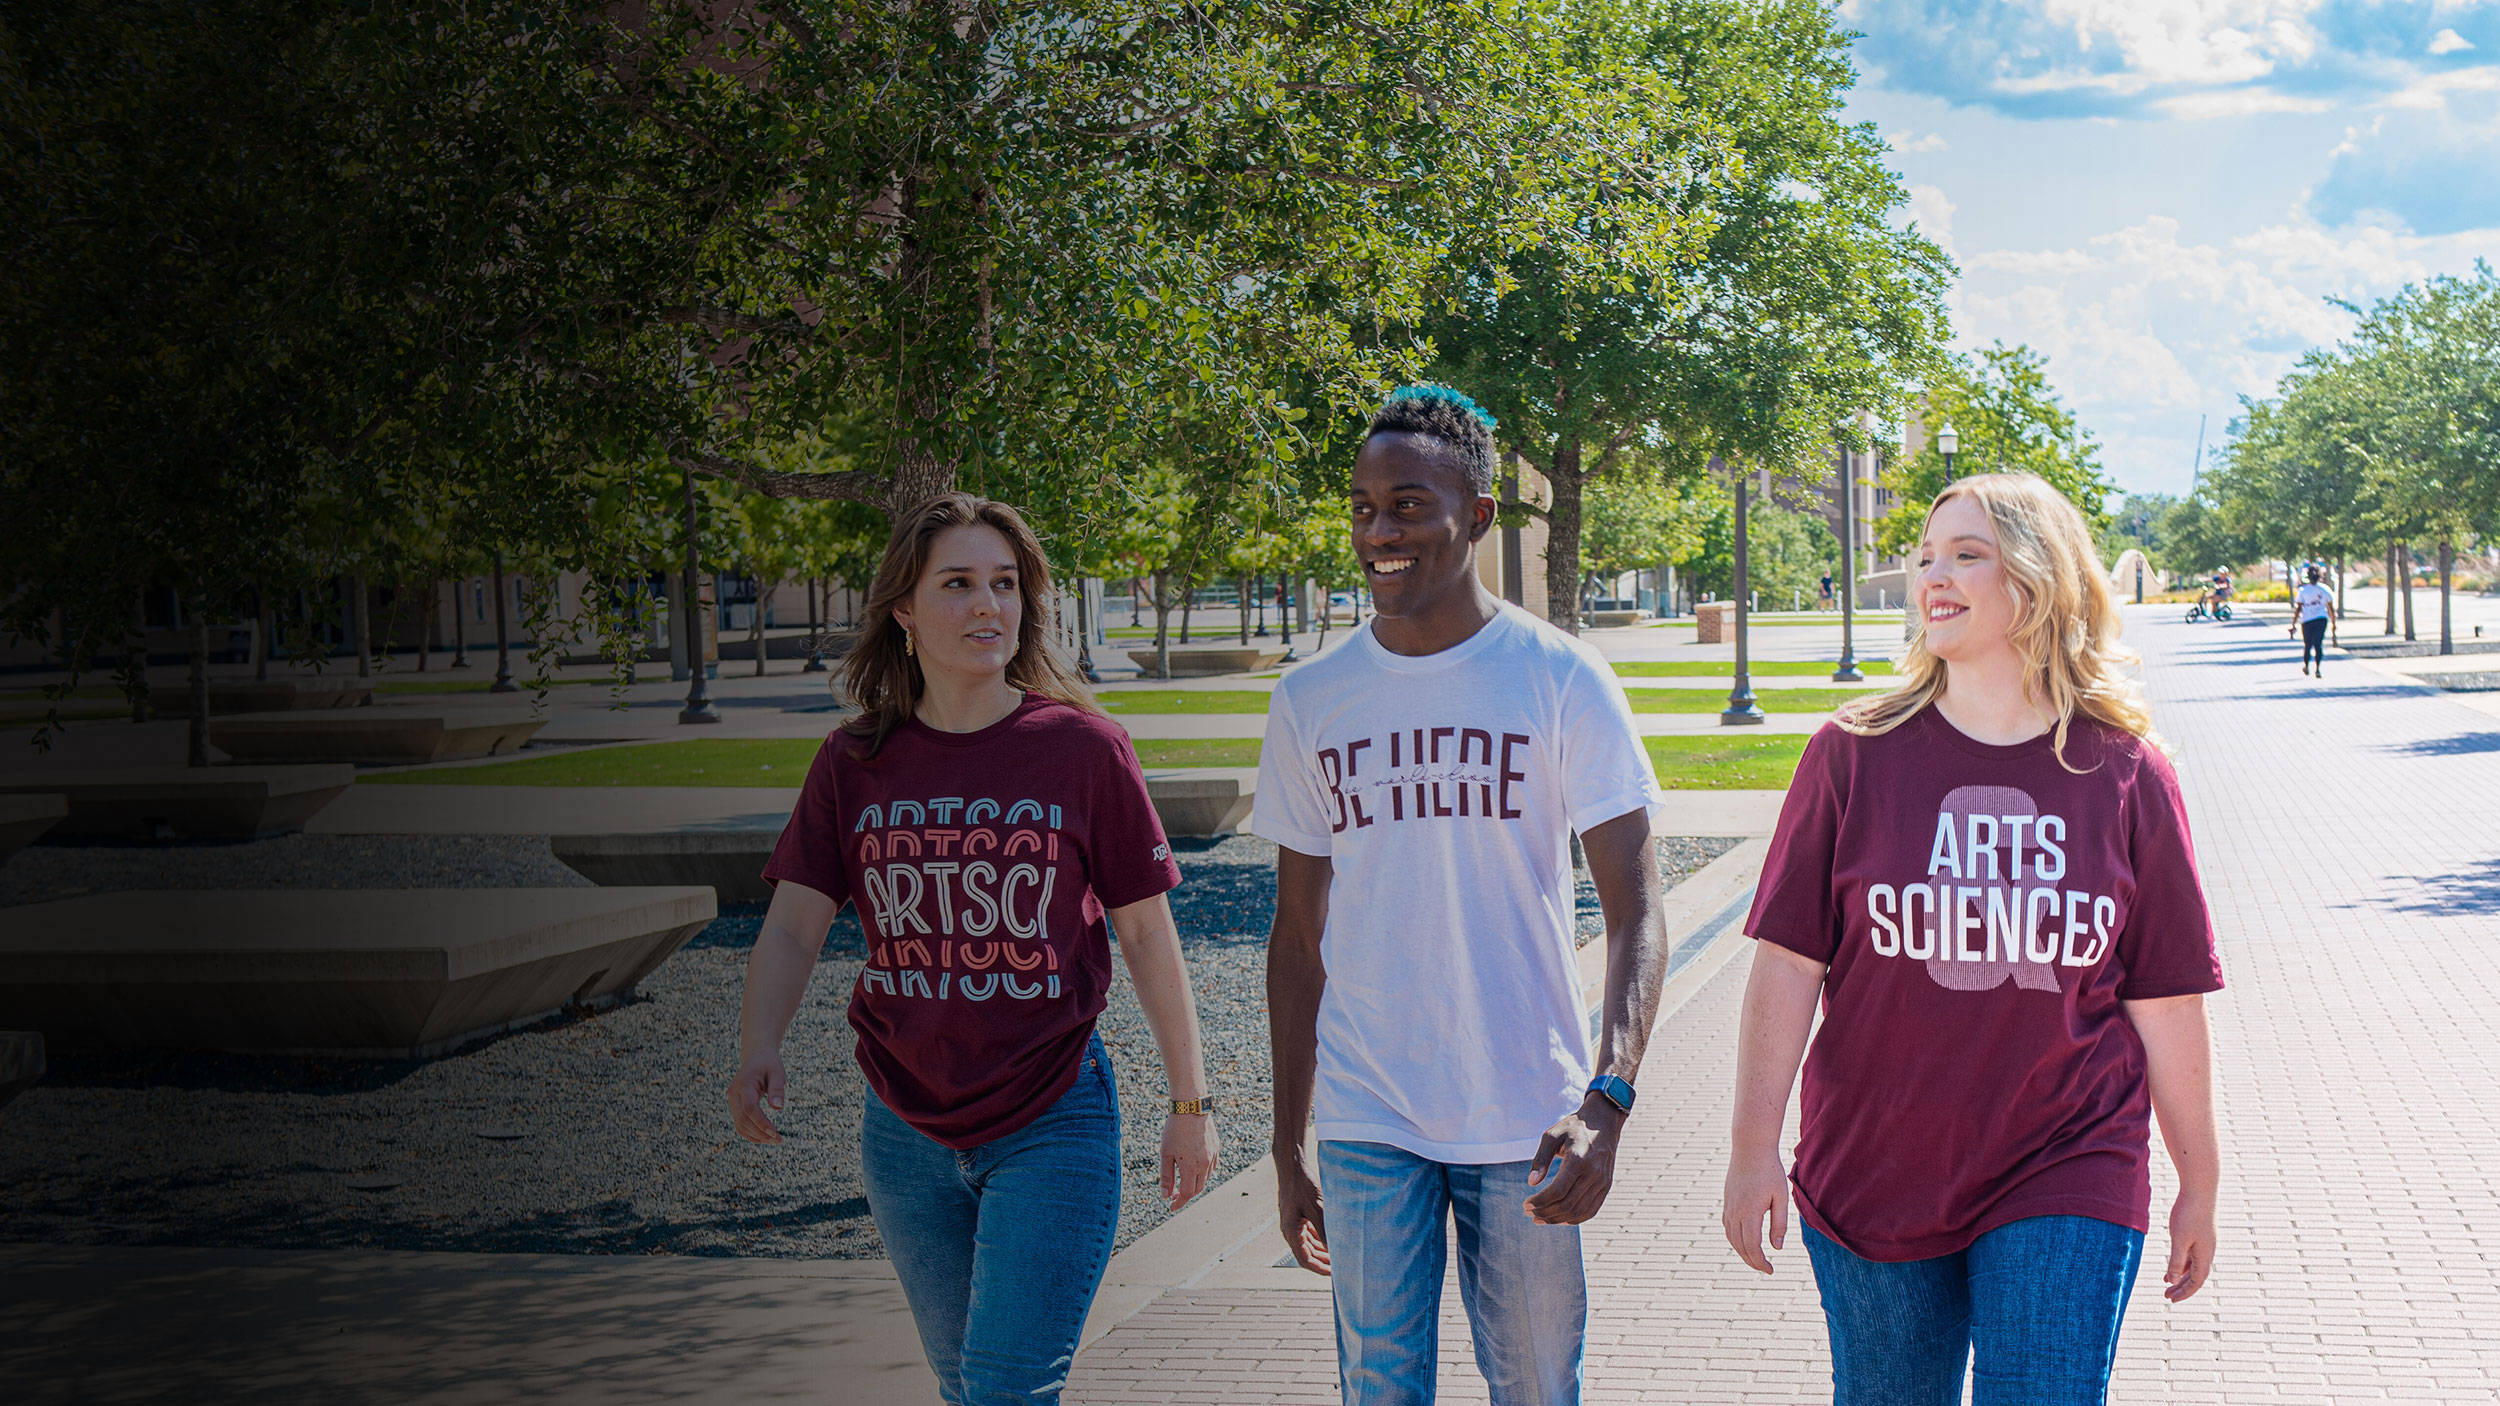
x=1194, y=1107
x=1614, y=1090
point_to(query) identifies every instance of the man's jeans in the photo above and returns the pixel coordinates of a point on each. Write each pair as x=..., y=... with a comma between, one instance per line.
x=1001, y=1247
x=2032, y=1307
x=1387, y=1212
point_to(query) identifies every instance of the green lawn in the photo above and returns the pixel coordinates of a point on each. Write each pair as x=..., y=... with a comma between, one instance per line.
x=1182, y=700
x=761, y=761
x=1199, y=751
x=1773, y=700
x=736, y=762
x=1704, y=668
x=1725, y=763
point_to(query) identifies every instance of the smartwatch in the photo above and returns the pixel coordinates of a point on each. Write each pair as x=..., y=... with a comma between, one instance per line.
x=1615, y=1091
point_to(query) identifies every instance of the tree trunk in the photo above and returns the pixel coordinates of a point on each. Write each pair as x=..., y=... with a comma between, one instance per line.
x=1163, y=626
x=199, y=689
x=358, y=624
x=459, y=624
x=1188, y=598
x=1241, y=593
x=2389, y=581
x=2447, y=566
x=135, y=661
x=1562, y=537
x=755, y=627
x=429, y=617
x=264, y=624
x=2405, y=552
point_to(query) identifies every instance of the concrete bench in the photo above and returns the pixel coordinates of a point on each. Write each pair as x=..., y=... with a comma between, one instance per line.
x=1615, y=619
x=24, y=818
x=21, y=1062
x=729, y=861
x=373, y=736
x=373, y=973
x=1198, y=661
x=228, y=696
x=1203, y=800
x=184, y=803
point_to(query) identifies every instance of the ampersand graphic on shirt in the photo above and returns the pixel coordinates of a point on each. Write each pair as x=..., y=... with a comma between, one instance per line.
x=959, y=910
x=1424, y=773
x=1994, y=905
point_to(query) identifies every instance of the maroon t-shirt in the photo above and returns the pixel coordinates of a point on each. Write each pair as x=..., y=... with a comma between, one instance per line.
x=982, y=864
x=1983, y=910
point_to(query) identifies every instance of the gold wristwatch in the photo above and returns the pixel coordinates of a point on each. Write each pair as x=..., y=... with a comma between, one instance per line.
x=1194, y=1107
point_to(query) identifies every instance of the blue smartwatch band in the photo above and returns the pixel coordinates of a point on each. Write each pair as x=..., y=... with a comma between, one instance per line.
x=1615, y=1091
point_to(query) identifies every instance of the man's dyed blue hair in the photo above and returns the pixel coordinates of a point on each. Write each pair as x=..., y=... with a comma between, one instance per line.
x=1463, y=426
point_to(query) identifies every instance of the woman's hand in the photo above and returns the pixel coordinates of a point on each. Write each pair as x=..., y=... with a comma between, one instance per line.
x=1189, y=1156
x=2192, y=1238
x=761, y=1081
x=1757, y=1186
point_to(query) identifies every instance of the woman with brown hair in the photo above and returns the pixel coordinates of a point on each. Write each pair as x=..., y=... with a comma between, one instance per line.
x=986, y=817
x=1984, y=878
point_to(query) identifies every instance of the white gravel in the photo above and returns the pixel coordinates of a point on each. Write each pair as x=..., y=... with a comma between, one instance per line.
x=604, y=1134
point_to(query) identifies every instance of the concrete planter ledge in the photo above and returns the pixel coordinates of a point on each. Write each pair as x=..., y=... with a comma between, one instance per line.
x=21, y=1062
x=1203, y=800
x=374, y=736
x=729, y=861
x=1197, y=661
x=372, y=973
x=24, y=818
x=227, y=696
x=184, y=803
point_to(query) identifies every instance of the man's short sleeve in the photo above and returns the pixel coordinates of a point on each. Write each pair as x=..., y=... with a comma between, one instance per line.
x=810, y=848
x=1292, y=806
x=2168, y=946
x=1606, y=770
x=1794, y=903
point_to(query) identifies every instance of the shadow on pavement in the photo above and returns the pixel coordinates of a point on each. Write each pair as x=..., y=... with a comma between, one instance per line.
x=2475, y=890
x=2464, y=744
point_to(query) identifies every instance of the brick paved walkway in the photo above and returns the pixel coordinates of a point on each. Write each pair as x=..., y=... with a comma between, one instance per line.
x=2350, y=837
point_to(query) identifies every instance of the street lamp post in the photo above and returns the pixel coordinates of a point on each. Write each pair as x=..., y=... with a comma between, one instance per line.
x=1742, y=710
x=1084, y=637
x=1848, y=670
x=699, y=705
x=503, y=641
x=1948, y=440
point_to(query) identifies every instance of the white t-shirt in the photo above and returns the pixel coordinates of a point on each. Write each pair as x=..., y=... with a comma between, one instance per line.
x=2311, y=600
x=1444, y=790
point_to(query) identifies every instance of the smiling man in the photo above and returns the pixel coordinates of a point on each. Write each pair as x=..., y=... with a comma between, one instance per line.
x=1422, y=782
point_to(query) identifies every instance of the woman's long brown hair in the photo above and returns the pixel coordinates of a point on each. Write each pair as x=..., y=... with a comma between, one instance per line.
x=884, y=679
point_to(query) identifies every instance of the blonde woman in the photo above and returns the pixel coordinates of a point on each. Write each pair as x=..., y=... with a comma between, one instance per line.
x=1985, y=876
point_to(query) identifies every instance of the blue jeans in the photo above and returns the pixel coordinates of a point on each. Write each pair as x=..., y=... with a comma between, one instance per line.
x=2032, y=1307
x=1527, y=1299
x=1000, y=1247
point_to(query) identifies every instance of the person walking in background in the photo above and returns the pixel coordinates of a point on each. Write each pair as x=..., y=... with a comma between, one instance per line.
x=1422, y=784
x=2313, y=605
x=985, y=816
x=1985, y=876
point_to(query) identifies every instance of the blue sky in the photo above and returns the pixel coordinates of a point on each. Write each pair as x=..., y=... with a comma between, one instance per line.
x=2163, y=195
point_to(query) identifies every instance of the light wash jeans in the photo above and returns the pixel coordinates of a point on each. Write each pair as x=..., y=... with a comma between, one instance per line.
x=1001, y=1247
x=2032, y=1308
x=1388, y=1212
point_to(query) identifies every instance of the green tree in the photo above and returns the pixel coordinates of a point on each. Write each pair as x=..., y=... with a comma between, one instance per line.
x=2009, y=419
x=1638, y=520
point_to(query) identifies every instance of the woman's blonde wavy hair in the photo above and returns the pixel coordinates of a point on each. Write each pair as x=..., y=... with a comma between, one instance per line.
x=2065, y=619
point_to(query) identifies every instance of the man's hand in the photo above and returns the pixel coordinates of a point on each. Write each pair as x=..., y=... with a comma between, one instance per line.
x=1575, y=1165
x=1299, y=1213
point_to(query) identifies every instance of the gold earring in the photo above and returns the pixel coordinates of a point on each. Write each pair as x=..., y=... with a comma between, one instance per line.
x=907, y=649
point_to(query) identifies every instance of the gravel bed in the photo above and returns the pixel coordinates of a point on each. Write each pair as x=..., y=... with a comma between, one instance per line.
x=598, y=1134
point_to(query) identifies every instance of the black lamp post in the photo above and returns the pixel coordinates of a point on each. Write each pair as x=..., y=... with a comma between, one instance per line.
x=1948, y=440
x=815, y=628
x=1742, y=710
x=503, y=642
x=1084, y=636
x=1848, y=670
x=699, y=705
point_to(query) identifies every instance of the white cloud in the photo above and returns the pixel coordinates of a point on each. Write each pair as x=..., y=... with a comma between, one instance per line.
x=2202, y=42
x=2448, y=41
x=1907, y=141
x=2236, y=102
x=1933, y=214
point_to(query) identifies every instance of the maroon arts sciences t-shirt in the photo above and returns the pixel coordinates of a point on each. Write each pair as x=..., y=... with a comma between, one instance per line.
x=1983, y=911
x=982, y=864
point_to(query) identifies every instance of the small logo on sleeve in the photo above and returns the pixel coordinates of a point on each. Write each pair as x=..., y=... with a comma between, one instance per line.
x=1162, y=853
